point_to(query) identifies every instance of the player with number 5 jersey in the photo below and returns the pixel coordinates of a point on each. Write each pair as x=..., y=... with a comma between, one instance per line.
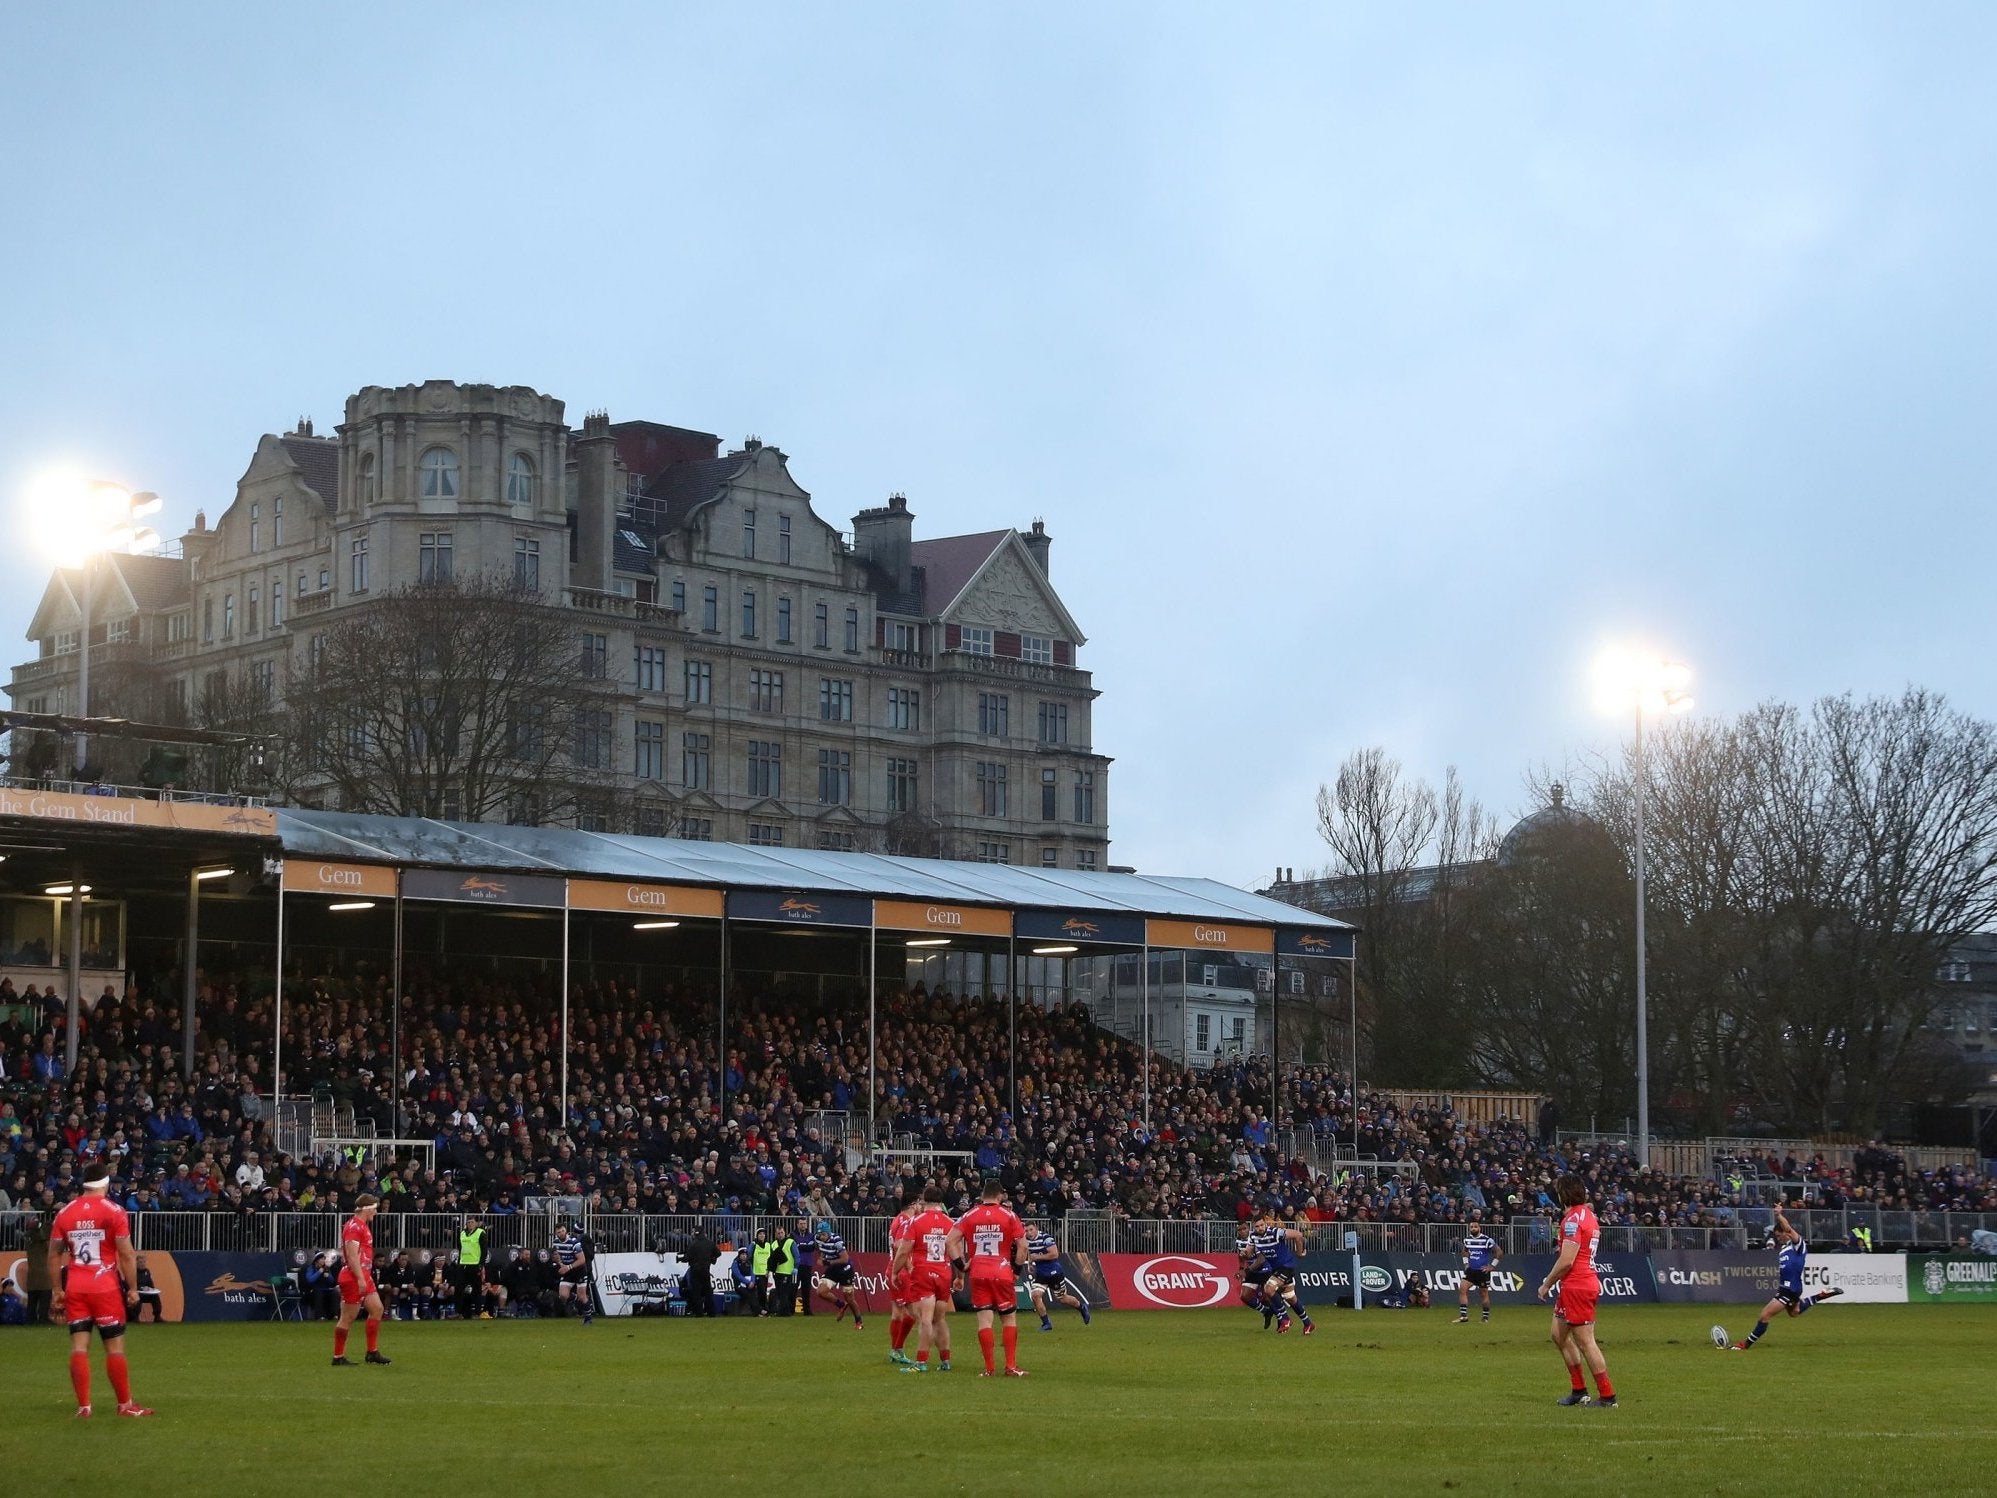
x=994, y=1240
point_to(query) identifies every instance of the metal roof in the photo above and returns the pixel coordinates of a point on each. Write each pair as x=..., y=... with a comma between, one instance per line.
x=564, y=850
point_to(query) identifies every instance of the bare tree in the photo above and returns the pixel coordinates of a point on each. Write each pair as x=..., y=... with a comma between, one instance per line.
x=466, y=699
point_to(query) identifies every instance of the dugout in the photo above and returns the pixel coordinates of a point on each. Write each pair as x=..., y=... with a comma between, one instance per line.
x=392, y=902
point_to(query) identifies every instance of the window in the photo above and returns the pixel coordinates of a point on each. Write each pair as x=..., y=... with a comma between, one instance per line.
x=176, y=628
x=994, y=852
x=440, y=474
x=592, y=814
x=315, y=656
x=904, y=708
x=1296, y=982
x=1086, y=858
x=749, y=534
x=783, y=621
x=835, y=700
x=1203, y=1033
x=765, y=835
x=207, y=625
x=696, y=765
x=977, y=642
x=766, y=691
x=649, y=762
x=523, y=810
x=710, y=609
x=991, y=789
x=905, y=638
x=433, y=557
x=1238, y=1031
x=594, y=658
x=699, y=683
x=520, y=480
x=901, y=785
x=263, y=679
x=697, y=829
x=277, y=604
x=748, y=614
x=835, y=777
x=592, y=745
x=325, y=578
x=277, y=520
x=523, y=731
x=1209, y=975
x=1053, y=722
x=1037, y=649
x=1085, y=796
x=228, y=616
x=367, y=478
x=251, y=613
x=1050, y=795
x=651, y=821
x=994, y=714
x=679, y=595
x=1050, y=858
x=357, y=564
x=766, y=767
x=783, y=539
x=527, y=564
x=836, y=842
x=852, y=631
x=821, y=627
x=256, y=528
x=649, y=668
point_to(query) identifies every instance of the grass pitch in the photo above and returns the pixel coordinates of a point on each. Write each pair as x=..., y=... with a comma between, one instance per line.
x=1147, y=1403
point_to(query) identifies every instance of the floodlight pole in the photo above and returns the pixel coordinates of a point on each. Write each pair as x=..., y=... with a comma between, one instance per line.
x=1642, y=992
x=83, y=667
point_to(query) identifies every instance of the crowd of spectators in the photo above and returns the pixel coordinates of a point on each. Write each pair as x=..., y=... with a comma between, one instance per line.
x=661, y=1119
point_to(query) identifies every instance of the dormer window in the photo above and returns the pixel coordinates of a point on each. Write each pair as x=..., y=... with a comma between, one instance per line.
x=440, y=474
x=520, y=480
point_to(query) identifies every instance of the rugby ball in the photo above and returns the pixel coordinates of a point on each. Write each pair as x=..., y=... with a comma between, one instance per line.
x=1720, y=1337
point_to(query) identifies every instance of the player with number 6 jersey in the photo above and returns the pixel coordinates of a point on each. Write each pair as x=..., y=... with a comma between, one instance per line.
x=98, y=1281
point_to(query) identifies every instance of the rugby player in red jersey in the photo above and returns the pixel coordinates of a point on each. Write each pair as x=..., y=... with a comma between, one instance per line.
x=926, y=1252
x=995, y=1241
x=1580, y=1287
x=99, y=1281
x=901, y=1314
x=357, y=1286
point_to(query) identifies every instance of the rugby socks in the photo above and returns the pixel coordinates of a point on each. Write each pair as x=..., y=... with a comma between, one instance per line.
x=79, y=1378
x=1602, y=1385
x=1011, y=1345
x=898, y=1330
x=1303, y=1315
x=985, y=1344
x=374, y=1335
x=339, y=1341
x=121, y=1376
x=922, y=1358
x=1755, y=1335
x=1574, y=1373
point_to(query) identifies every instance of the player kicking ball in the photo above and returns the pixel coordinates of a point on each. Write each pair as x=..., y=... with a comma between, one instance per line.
x=1790, y=1254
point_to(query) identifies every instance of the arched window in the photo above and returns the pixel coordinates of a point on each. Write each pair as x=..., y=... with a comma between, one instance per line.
x=440, y=474
x=520, y=480
x=367, y=478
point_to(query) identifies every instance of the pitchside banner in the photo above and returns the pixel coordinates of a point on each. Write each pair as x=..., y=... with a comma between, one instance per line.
x=1744, y=1279
x=1956, y=1281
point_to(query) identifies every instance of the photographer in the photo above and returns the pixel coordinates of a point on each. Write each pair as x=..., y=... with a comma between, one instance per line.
x=697, y=1284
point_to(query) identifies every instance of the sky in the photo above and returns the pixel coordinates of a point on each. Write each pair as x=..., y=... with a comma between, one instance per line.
x=1372, y=367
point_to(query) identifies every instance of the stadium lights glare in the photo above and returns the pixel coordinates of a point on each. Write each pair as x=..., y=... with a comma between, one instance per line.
x=1055, y=951
x=653, y=925
x=63, y=889
x=1628, y=680
x=352, y=905
x=929, y=941
x=214, y=873
x=73, y=518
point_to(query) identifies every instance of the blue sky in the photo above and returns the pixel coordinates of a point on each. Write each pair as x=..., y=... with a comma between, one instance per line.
x=1370, y=368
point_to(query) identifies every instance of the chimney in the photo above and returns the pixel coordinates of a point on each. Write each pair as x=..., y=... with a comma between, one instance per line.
x=599, y=490
x=194, y=545
x=883, y=537
x=1039, y=543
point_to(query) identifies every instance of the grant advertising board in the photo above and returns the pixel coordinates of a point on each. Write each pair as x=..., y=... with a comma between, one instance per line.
x=1957, y=1281
x=1167, y=1282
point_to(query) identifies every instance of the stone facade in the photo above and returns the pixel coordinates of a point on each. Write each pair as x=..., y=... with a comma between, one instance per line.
x=867, y=693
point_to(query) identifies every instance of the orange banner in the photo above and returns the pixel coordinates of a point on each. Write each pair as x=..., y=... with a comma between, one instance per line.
x=1209, y=936
x=366, y=881
x=663, y=900
x=944, y=920
x=130, y=811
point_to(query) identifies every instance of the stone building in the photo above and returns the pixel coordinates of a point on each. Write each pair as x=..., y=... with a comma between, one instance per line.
x=767, y=679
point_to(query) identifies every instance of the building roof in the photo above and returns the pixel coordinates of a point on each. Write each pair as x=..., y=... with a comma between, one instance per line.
x=155, y=583
x=685, y=487
x=318, y=460
x=949, y=563
x=566, y=851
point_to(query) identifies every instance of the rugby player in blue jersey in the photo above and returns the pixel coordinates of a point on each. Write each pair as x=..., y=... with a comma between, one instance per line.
x=1480, y=1256
x=1282, y=1250
x=1049, y=1283
x=836, y=1279
x=1790, y=1254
